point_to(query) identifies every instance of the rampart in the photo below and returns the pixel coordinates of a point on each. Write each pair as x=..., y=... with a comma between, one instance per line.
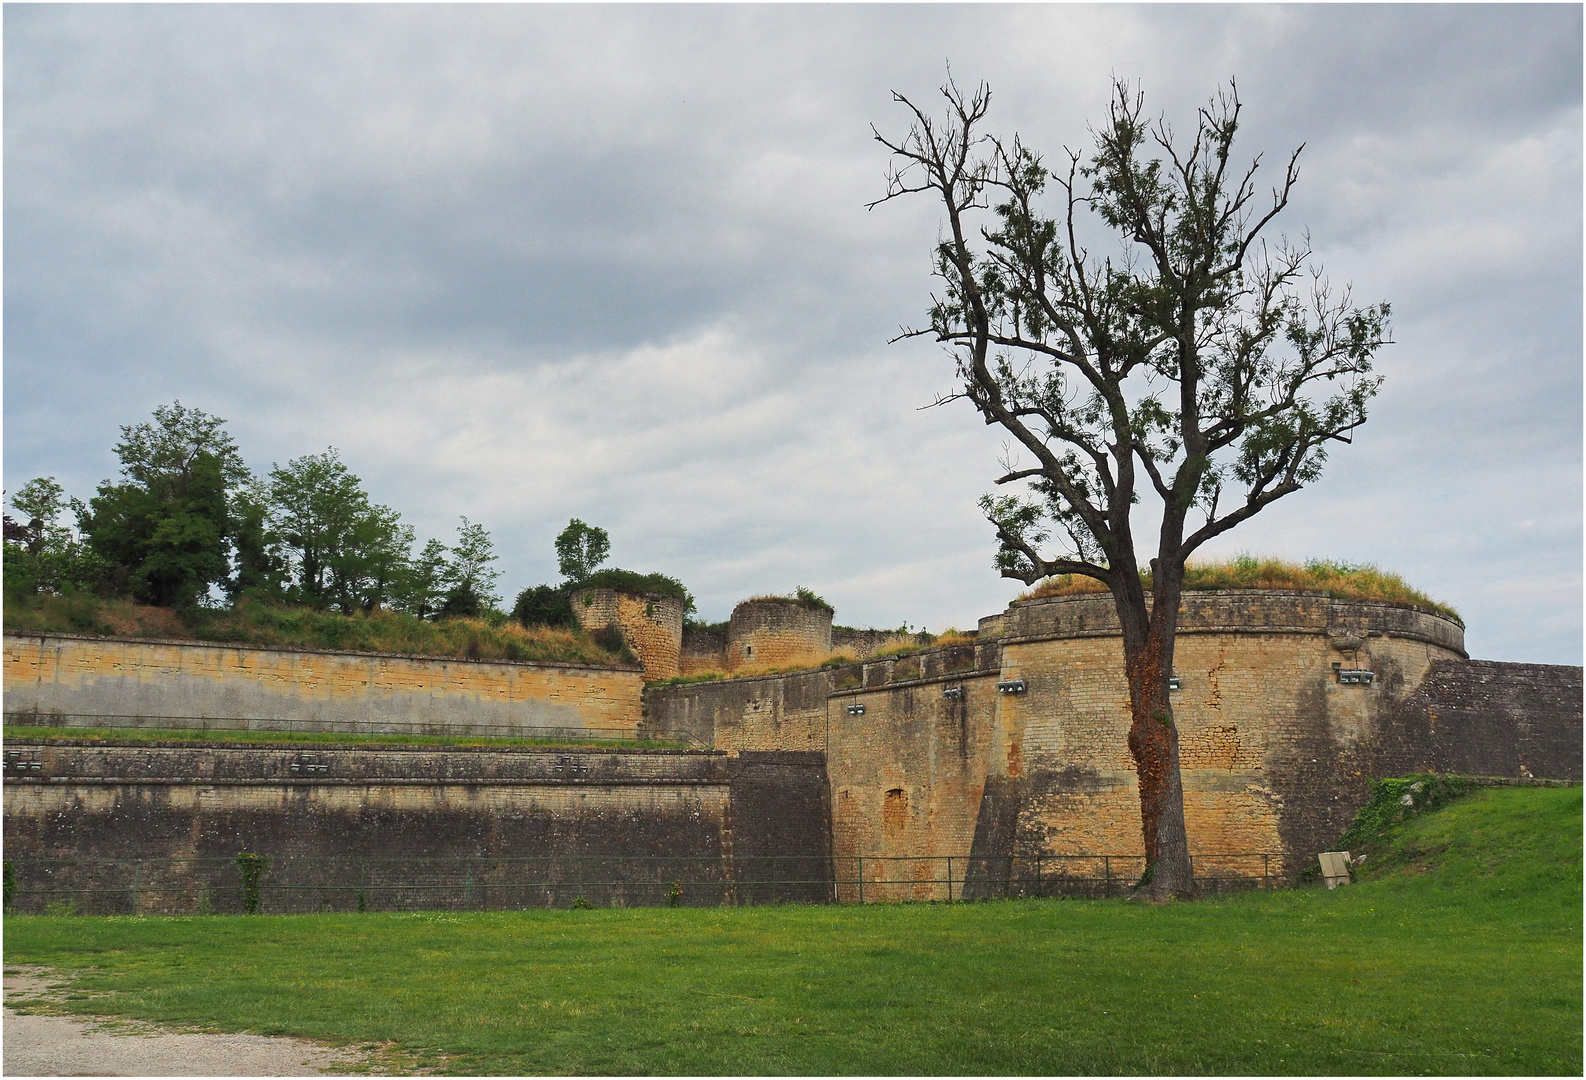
x=972, y=762
x=68, y=679
x=1014, y=749
x=530, y=827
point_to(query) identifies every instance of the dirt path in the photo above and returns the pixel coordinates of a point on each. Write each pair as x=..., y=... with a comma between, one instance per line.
x=39, y=1045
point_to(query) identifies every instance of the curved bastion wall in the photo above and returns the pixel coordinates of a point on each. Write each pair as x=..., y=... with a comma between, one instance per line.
x=1277, y=745
x=771, y=631
x=651, y=624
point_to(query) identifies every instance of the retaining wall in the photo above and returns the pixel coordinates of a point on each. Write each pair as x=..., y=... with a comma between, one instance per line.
x=67, y=676
x=644, y=817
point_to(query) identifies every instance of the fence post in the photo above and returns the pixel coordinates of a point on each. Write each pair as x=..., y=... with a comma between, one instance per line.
x=1106, y=866
x=861, y=859
x=1040, y=883
x=949, y=879
x=1265, y=879
x=137, y=869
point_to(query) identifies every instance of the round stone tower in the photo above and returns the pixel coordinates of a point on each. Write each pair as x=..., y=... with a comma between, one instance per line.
x=651, y=624
x=778, y=631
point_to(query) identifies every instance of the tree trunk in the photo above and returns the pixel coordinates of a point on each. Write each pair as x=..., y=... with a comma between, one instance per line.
x=1153, y=743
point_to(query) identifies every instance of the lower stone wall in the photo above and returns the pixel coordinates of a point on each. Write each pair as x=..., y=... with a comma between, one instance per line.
x=454, y=827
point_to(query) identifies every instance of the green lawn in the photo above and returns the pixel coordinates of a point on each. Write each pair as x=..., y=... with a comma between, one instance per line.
x=1459, y=953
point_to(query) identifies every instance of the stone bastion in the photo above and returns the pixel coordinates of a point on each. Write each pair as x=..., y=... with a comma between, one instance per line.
x=650, y=623
x=777, y=631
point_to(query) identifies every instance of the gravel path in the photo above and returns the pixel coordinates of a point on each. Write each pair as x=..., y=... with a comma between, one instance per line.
x=67, y=1046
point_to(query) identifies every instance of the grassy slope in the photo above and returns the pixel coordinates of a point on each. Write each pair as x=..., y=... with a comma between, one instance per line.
x=1459, y=952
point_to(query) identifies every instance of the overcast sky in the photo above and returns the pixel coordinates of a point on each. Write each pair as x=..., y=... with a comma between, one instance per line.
x=530, y=263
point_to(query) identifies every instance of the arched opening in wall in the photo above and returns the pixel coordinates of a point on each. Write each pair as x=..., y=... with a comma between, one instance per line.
x=894, y=813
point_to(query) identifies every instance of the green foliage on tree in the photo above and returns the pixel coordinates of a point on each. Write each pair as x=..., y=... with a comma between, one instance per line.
x=164, y=539
x=579, y=549
x=41, y=554
x=470, y=579
x=544, y=605
x=164, y=531
x=342, y=550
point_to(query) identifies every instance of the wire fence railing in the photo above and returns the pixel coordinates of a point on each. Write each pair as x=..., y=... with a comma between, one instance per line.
x=337, y=726
x=298, y=884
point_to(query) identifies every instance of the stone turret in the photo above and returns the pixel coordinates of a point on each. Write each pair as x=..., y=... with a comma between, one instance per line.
x=651, y=624
x=777, y=631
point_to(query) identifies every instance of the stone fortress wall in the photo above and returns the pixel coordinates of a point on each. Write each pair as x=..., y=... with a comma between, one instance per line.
x=651, y=624
x=774, y=632
x=1007, y=748
x=67, y=679
x=1014, y=748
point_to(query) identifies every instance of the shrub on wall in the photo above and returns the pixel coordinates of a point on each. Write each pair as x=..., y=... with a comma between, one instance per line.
x=629, y=581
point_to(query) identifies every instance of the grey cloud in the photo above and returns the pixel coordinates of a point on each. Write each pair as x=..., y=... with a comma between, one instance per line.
x=529, y=262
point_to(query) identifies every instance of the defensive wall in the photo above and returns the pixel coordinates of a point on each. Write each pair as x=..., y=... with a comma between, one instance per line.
x=514, y=827
x=651, y=624
x=992, y=756
x=68, y=680
x=1014, y=749
x=773, y=631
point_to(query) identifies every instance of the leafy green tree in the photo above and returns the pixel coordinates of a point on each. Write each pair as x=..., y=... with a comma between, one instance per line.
x=164, y=531
x=579, y=549
x=470, y=578
x=260, y=569
x=1200, y=364
x=422, y=590
x=342, y=550
x=42, y=554
x=544, y=605
x=165, y=542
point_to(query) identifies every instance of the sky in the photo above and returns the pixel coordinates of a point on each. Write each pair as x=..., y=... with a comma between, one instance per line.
x=526, y=264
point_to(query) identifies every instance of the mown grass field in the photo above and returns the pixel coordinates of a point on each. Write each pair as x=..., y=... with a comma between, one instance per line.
x=1459, y=952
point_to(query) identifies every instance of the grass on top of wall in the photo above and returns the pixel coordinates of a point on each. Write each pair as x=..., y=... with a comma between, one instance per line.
x=1459, y=953
x=305, y=628
x=1345, y=581
x=135, y=736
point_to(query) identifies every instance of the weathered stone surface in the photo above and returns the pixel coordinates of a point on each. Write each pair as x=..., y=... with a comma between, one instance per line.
x=65, y=676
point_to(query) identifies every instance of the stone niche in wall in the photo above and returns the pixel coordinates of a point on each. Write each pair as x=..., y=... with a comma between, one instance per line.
x=651, y=624
x=777, y=631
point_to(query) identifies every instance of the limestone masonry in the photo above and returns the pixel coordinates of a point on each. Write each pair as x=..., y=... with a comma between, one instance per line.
x=1004, y=752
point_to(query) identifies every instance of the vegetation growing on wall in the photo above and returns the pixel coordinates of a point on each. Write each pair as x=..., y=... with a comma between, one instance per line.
x=254, y=623
x=580, y=548
x=1345, y=581
x=801, y=596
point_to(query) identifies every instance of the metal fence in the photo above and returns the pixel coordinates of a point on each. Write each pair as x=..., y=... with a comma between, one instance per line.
x=316, y=884
x=303, y=725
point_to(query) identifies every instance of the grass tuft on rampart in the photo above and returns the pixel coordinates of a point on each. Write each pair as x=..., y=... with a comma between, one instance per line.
x=1344, y=581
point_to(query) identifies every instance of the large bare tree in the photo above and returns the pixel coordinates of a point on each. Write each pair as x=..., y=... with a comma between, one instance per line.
x=1199, y=361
